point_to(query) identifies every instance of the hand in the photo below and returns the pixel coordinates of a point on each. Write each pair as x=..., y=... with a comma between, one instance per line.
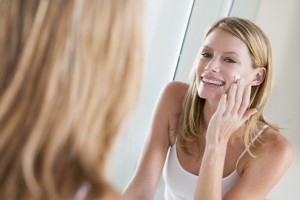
x=231, y=114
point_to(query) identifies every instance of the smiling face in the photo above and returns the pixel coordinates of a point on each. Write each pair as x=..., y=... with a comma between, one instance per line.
x=223, y=59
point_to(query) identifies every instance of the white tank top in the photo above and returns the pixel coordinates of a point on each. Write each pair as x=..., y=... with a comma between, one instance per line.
x=181, y=184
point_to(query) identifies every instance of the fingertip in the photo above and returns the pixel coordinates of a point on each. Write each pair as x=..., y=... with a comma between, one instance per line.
x=237, y=78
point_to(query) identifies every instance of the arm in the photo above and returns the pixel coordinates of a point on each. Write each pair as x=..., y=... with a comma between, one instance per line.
x=146, y=177
x=231, y=114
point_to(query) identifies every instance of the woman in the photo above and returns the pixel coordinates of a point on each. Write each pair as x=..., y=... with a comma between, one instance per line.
x=69, y=76
x=210, y=138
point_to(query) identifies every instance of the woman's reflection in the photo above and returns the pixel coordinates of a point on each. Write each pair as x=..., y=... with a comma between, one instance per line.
x=211, y=134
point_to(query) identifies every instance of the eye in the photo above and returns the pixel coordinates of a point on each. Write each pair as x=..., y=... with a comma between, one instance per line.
x=229, y=60
x=206, y=55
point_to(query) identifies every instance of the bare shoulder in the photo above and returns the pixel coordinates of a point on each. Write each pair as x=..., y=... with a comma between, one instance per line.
x=274, y=152
x=173, y=95
x=276, y=143
x=176, y=88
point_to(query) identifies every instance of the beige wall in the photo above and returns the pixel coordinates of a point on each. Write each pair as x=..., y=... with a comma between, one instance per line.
x=281, y=22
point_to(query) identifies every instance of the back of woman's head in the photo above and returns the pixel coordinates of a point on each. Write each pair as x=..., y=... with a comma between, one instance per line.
x=69, y=75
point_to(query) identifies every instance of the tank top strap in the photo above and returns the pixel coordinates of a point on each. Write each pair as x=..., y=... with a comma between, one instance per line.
x=252, y=141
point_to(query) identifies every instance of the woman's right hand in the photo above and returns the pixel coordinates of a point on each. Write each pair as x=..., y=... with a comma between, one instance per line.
x=232, y=113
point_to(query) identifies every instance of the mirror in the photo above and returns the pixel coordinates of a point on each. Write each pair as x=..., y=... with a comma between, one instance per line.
x=279, y=20
x=173, y=34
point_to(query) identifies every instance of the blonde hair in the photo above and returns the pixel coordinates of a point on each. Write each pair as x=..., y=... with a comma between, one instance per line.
x=260, y=51
x=69, y=76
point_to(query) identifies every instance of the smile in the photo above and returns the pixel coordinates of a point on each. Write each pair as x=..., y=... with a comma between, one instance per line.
x=214, y=82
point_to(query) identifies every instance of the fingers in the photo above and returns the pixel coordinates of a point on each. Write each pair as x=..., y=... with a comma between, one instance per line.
x=238, y=99
x=246, y=101
x=238, y=96
x=231, y=99
x=222, y=104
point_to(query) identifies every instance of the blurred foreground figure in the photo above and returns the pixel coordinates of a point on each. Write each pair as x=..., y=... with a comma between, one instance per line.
x=69, y=76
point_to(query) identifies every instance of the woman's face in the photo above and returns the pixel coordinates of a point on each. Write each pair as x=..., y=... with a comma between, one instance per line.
x=224, y=58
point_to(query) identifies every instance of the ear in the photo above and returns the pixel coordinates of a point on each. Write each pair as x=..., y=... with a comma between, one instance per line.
x=258, y=76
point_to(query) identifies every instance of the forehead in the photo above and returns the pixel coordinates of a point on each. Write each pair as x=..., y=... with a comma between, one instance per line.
x=222, y=41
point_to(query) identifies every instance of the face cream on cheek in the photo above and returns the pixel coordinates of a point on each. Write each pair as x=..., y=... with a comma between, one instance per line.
x=236, y=78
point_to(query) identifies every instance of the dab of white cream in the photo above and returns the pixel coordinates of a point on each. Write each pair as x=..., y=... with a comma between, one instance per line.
x=236, y=78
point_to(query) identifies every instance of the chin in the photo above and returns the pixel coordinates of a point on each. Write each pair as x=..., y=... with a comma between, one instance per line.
x=209, y=96
x=211, y=93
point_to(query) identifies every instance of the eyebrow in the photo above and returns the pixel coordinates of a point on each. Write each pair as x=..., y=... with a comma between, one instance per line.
x=228, y=52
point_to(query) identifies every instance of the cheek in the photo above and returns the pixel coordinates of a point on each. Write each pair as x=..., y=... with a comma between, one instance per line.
x=231, y=75
x=247, y=77
x=200, y=68
x=242, y=74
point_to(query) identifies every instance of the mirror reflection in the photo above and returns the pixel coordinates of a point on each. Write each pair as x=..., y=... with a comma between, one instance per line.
x=195, y=17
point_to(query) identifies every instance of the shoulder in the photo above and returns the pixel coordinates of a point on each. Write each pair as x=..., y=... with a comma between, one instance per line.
x=273, y=156
x=173, y=94
x=176, y=88
x=274, y=152
x=277, y=145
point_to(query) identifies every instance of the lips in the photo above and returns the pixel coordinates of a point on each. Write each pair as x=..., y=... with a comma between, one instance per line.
x=213, y=81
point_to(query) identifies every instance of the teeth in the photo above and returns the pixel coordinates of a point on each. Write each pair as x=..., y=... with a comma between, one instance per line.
x=219, y=83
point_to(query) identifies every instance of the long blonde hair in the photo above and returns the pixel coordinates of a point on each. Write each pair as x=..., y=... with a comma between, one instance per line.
x=260, y=51
x=69, y=76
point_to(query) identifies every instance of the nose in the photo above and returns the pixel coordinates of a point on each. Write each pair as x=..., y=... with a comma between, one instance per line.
x=213, y=65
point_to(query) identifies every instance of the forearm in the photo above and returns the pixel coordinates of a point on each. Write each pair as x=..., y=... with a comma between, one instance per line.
x=145, y=180
x=209, y=186
x=138, y=189
x=132, y=193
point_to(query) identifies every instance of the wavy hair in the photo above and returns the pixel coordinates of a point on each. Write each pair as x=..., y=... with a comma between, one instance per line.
x=69, y=76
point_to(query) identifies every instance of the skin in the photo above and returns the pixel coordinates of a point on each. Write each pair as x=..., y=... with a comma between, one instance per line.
x=224, y=56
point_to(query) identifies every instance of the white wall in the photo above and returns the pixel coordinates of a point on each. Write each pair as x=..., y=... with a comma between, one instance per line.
x=280, y=21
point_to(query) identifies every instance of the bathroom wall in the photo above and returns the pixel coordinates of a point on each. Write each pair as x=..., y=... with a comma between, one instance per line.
x=280, y=21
